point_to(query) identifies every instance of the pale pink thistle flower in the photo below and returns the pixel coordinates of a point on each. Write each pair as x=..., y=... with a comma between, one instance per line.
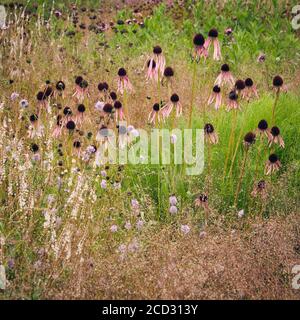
x=173, y=209
x=185, y=228
x=114, y=228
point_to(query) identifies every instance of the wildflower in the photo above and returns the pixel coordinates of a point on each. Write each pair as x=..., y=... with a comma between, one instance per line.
x=14, y=96
x=225, y=76
x=202, y=234
x=60, y=86
x=81, y=88
x=173, y=103
x=213, y=38
x=34, y=148
x=201, y=201
x=168, y=76
x=200, y=50
x=113, y=96
x=80, y=111
x=103, y=88
x=103, y=184
x=119, y=112
x=122, y=248
x=260, y=190
x=41, y=98
x=152, y=70
x=123, y=81
x=173, y=200
x=278, y=84
x=35, y=129
x=275, y=137
x=241, y=213
x=262, y=127
x=239, y=85
x=128, y=225
x=139, y=224
x=114, y=228
x=261, y=58
x=249, y=139
x=228, y=31
x=154, y=115
x=58, y=128
x=71, y=125
x=133, y=245
x=273, y=164
x=232, y=101
x=215, y=96
x=173, y=209
x=250, y=90
x=99, y=105
x=108, y=108
x=103, y=173
x=160, y=59
x=185, y=228
x=210, y=134
x=24, y=103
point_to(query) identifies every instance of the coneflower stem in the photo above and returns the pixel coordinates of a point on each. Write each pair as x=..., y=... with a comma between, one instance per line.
x=241, y=177
x=230, y=142
x=258, y=158
x=192, y=94
x=208, y=167
x=274, y=106
x=126, y=107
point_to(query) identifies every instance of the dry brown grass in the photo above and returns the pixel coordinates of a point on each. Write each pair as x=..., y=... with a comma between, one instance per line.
x=249, y=264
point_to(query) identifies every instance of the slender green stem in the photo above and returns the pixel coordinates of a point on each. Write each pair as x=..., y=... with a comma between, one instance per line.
x=238, y=188
x=274, y=106
x=192, y=94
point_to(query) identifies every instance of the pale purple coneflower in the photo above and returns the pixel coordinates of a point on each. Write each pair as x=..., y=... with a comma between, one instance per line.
x=99, y=105
x=273, y=164
x=81, y=89
x=173, y=103
x=216, y=97
x=123, y=81
x=119, y=111
x=213, y=38
x=199, y=47
x=154, y=115
x=160, y=59
x=250, y=90
x=275, y=137
x=58, y=128
x=80, y=114
x=225, y=76
x=209, y=134
x=152, y=70
x=232, y=103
